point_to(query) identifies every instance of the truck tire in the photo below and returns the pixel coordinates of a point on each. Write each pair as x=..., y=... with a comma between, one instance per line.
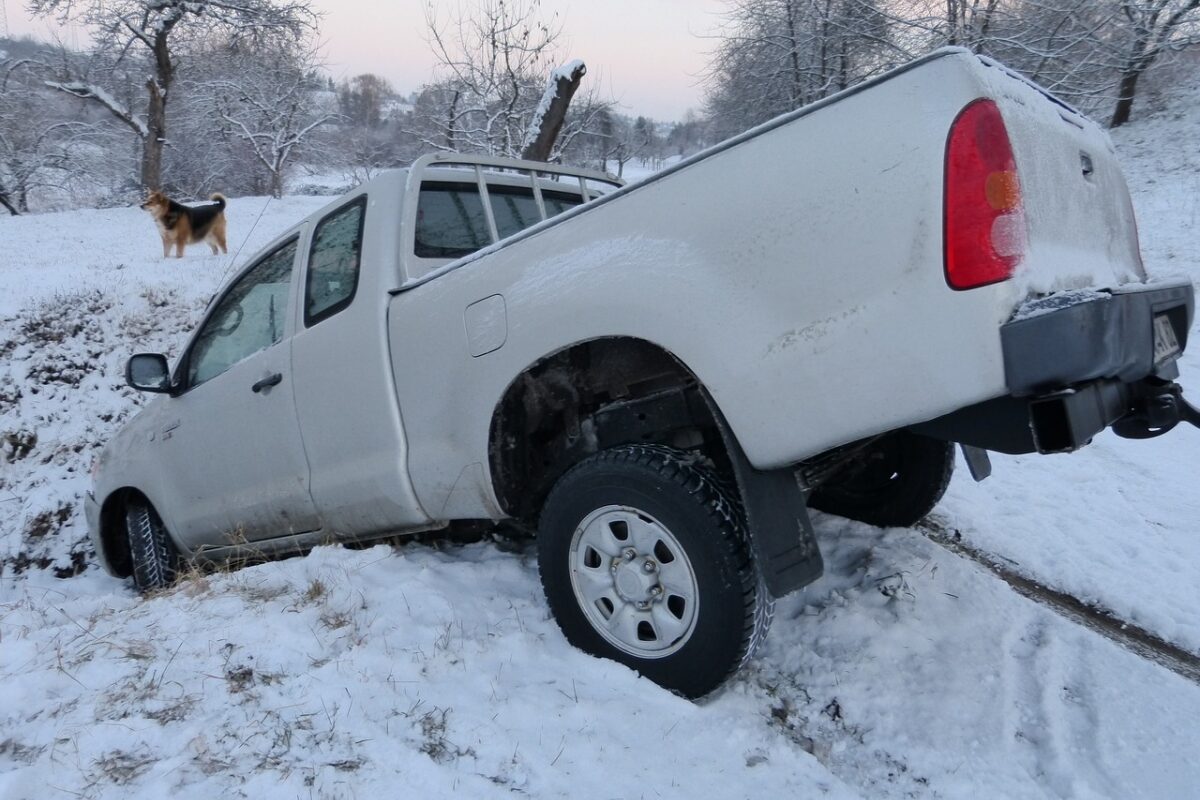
x=894, y=484
x=154, y=557
x=645, y=560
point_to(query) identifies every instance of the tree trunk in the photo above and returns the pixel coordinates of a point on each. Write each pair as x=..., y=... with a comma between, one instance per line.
x=1125, y=94
x=152, y=144
x=4, y=201
x=277, y=182
x=844, y=65
x=450, y=122
x=794, y=55
x=159, y=88
x=561, y=89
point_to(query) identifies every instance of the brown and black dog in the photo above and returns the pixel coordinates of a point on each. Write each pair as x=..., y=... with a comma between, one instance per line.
x=181, y=225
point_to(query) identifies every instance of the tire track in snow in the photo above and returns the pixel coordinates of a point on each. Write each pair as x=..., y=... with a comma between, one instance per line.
x=1036, y=725
x=1137, y=640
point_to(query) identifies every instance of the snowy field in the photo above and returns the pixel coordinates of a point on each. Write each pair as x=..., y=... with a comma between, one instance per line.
x=431, y=671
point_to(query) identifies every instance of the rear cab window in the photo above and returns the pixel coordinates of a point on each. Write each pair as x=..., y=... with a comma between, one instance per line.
x=452, y=221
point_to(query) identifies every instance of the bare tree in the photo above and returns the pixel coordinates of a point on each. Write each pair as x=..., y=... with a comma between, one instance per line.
x=1060, y=44
x=363, y=100
x=1089, y=52
x=776, y=55
x=40, y=149
x=151, y=30
x=1150, y=29
x=494, y=64
x=688, y=136
x=269, y=103
x=34, y=153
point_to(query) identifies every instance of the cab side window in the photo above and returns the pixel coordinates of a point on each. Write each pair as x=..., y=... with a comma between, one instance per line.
x=333, y=262
x=248, y=318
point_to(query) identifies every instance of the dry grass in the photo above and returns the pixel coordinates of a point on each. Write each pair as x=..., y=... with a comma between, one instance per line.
x=121, y=767
x=18, y=444
x=315, y=591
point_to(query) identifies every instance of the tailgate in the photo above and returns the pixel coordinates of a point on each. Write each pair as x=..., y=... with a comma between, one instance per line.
x=1079, y=217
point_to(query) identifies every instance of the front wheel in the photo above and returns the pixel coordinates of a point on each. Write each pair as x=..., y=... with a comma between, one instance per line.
x=645, y=559
x=155, y=559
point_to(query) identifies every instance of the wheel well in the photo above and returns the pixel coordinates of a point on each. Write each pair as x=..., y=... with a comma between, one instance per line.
x=589, y=397
x=112, y=529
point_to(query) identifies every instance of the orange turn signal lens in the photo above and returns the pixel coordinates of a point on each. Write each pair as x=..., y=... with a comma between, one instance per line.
x=1003, y=190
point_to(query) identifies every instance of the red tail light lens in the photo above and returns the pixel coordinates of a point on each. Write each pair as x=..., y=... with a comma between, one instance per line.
x=984, y=219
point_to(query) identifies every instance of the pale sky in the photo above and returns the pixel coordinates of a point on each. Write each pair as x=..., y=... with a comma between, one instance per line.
x=647, y=54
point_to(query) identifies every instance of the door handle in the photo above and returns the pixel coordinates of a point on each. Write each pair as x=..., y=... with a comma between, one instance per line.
x=270, y=380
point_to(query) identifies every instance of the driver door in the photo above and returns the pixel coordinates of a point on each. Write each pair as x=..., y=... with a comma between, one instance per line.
x=234, y=463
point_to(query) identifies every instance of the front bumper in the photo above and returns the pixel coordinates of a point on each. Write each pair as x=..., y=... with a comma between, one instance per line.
x=1078, y=362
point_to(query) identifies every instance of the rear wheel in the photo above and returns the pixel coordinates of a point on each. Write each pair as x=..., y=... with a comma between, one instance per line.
x=645, y=559
x=155, y=559
x=894, y=482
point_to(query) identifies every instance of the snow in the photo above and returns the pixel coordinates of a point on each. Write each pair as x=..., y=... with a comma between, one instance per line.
x=905, y=671
x=565, y=72
x=1040, y=306
x=119, y=250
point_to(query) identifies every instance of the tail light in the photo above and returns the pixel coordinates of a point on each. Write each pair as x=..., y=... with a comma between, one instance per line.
x=984, y=224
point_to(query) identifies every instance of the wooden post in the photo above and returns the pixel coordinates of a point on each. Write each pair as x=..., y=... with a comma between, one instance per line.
x=544, y=130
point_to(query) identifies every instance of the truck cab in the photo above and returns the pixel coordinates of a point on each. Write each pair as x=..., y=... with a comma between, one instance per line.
x=293, y=355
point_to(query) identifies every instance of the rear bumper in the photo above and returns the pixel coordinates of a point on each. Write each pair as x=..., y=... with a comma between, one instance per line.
x=1077, y=363
x=1071, y=338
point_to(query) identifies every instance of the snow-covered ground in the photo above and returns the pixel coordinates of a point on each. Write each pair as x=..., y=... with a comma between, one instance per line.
x=431, y=671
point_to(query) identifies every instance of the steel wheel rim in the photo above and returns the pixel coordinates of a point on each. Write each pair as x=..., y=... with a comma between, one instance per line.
x=633, y=581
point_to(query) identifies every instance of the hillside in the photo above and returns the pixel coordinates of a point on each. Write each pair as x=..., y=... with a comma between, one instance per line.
x=434, y=669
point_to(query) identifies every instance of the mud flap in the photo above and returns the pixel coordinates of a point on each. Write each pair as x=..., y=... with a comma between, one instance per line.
x=978, y=462
x=777, y=516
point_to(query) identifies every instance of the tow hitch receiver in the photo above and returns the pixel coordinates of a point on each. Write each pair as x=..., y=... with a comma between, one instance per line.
x=1064, y=421
x=1158, y=406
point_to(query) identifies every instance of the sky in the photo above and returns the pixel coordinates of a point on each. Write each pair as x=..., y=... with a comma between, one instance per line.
x=649, y=55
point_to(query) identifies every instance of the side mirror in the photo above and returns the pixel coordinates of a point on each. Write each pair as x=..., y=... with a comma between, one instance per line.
x=149, y=372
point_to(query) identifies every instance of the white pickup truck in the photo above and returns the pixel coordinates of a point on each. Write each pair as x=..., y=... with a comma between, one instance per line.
x=660, y=379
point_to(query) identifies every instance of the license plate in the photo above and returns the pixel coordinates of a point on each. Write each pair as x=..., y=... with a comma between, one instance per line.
x=1165, y=343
